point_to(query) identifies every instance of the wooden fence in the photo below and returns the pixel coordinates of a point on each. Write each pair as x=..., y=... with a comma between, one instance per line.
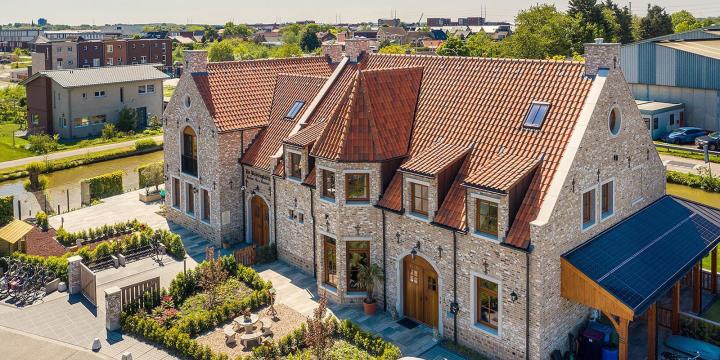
x=133, y=294
x=246, y=256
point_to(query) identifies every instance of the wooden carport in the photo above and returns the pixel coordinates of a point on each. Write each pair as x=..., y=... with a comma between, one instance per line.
x=626, y=269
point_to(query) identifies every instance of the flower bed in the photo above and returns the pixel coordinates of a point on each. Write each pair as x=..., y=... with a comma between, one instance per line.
x=216, y=292
x=104, y=232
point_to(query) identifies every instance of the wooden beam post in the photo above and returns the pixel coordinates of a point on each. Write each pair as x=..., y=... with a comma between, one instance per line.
x=652, y=331
x=621, y=326
x=697, y=289
x=676, y=308
x=714, y=270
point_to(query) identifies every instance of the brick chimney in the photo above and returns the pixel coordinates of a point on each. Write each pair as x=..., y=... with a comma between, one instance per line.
x=354, y=48
x=601, y=55
x=333, y=51
x=195, y=61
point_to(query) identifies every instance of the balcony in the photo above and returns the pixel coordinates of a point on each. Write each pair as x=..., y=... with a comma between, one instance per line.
x=189, y=165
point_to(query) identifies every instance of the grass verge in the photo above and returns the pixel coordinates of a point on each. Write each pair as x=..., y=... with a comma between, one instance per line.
x=686, y=154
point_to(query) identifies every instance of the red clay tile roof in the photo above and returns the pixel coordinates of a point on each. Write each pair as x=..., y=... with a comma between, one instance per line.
x=392, y=197
x=375, y=117
x=289, y=89
x=310, y=179
x=239, y=94
x=279, y=168
x=501, y=172
x=435, y=159
x=42, y=243
x=308, y=135
x=465, y=100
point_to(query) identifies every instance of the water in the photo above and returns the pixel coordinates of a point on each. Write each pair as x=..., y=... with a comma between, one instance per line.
x=67, y=182
x=697, y=195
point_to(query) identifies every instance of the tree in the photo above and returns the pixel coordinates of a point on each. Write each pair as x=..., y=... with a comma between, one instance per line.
x=656, y=23
x=154, y=175
x=625, y=23
x=210, y=34
x=482, y=45
x=396, y=49
x=13, y=105
x=17, y=52
x=453, y=46
x=319, y=335
x=240, y=30
x=127, y=119
x=221, y=51
x=210, y=276
x=309, y=40
x=542, y=32
x=291, y=34
x=285, y=51
x=683, y=21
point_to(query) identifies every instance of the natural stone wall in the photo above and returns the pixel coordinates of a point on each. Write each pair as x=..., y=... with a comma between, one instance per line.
x=639, y=180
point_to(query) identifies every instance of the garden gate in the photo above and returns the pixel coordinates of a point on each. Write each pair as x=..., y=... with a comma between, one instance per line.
x=88, y=284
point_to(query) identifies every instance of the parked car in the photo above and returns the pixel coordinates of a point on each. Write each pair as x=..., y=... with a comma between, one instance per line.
x=683, y=135
x=5, y=61
x=712, y=141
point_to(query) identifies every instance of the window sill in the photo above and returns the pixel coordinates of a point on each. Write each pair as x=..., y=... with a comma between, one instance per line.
x=294, y=179
x=327, y=200
x=607, y=216
x=190, y=214
x=484, y=236
x=206, y=222
x=194, y=176
x=356, y=294
x=329, y=288
x=419, y=217
x=486, y=329
x=586, y=227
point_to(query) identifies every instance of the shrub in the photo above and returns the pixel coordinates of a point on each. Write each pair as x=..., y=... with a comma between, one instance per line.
x=127, y=119
x=109, y=131
x=57, y=264
x=6, y=209
x=43, y=144
x=39, y=185
x=144, y=144
x=703, y=180
x=106, y=185
x=42, y=220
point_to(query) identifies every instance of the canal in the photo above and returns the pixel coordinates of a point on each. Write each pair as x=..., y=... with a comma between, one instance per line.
x=64, y=186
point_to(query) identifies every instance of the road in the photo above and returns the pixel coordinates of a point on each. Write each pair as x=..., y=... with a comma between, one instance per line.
x=688, y=166
x=69, y=153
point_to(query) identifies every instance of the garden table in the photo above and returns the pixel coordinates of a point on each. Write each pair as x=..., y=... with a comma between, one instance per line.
x=247, y=323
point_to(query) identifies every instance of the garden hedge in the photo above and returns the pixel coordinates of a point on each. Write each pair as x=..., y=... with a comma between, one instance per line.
x=106, y=185
x=144, y=144
x=6, y=209
x=100, y=233
x=705, y=182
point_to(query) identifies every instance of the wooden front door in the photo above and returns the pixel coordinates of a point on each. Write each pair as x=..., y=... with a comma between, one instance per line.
x=260, y=222
x=420, y=291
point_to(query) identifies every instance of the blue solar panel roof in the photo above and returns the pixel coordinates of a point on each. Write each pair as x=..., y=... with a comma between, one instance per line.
x=641, y=257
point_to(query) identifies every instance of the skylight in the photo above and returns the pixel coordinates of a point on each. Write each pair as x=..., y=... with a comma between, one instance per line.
x=294, y=110
x=536, y=116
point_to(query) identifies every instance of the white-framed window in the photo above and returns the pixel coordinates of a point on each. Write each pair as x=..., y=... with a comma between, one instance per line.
x=588, y=212
x=146, y=89
x=143, y=59
x=486, y=299
x=109, y=48
x=81, y=122
x=327, y=184
x=100, y=94
x=109, y=62
x=607, y=199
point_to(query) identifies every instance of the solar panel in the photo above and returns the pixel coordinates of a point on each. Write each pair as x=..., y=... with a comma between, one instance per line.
x=294, y=110
x=536, y=116
x=640, y=257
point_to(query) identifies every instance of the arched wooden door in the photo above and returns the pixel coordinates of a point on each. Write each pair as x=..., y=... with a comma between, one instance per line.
x=420, y=289
x=260, y=221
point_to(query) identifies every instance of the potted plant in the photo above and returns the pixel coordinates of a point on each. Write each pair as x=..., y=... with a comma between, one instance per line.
x=369, y=277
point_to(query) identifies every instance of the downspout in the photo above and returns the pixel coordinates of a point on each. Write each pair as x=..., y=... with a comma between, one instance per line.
x=455, y=335
x=384, y=245
x=242, y=187
x=527, y=304
x=312, y=218
x=274, y=191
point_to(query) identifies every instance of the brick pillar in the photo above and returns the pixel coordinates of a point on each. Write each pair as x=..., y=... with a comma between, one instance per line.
x=601, y=55
x=354, y=48
x=333, y=52
x=112, y=308
x=74, y=286
x=195, y=61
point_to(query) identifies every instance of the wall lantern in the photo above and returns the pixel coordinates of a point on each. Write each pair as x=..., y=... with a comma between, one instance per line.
x=397, y=235
x=440, y=250
x=415, y=250
x=454, y=307
x=513, y=296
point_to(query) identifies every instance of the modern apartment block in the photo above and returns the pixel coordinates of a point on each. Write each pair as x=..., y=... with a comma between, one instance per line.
x=10, y=39
x=503, y=199
x=77, y=103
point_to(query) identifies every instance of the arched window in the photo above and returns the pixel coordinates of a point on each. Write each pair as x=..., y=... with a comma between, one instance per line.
x=189, y=152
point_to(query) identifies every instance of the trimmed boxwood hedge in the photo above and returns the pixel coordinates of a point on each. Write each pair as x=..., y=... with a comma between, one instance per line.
x=106, y=185
x=705, y=182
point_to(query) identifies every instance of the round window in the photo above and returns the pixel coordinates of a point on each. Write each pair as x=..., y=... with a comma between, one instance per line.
x=614, y=121
x=187, y=102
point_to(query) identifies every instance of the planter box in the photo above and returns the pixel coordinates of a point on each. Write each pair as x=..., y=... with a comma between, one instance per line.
x=52, y=286
x=121, y=259
x=152, y=197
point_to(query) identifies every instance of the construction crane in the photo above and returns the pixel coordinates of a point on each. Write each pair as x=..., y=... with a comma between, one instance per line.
x=420, y=19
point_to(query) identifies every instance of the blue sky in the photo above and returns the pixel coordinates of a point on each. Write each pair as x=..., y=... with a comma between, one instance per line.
x=219, y=11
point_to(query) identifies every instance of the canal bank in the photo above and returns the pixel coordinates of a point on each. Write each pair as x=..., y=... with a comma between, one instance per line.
x=64, y=185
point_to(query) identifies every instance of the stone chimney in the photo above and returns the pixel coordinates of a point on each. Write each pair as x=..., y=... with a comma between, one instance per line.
x=333, y=51
x=601, y=55
x=354, y=48
x=195, y=61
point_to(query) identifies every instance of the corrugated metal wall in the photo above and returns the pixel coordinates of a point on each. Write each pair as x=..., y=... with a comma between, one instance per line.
x=649, y=63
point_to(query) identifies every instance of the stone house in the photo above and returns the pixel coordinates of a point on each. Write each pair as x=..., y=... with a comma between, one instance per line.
x=466, y=180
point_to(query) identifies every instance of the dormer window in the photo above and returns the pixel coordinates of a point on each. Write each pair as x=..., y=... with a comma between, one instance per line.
x=419, y=199
x=486, y=218
x=295, y=169
x=357, y=187
x=328, y=184
x=536, y=116
x=294, y=110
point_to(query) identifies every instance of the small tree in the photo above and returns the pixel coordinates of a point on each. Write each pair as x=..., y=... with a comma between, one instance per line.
x=109, y=131
x=43, y=144
x=127, y=120
x=154, y=175
x=309, y=41
x=319, y=335
x=210, y=276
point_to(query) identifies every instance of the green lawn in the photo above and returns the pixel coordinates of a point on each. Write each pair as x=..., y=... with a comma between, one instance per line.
x=713, y=313
x=7, y=151
x=686, y=154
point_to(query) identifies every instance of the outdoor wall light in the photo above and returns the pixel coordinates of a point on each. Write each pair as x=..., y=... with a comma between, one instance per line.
x=439, y=249
x=513, y=296
x=397, y=235
x=454, y=307
x=415, y=250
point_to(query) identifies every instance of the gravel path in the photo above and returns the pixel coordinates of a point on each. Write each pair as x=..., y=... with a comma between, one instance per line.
x=287, y=321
